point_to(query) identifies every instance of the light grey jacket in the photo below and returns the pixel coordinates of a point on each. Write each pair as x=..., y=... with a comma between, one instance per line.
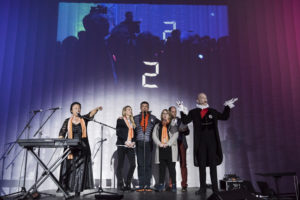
x=173, y=135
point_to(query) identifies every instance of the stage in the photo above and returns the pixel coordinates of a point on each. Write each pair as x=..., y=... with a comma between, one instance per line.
x=179, y=195
x=88, y=86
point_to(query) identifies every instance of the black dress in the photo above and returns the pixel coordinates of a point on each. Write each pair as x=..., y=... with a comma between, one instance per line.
x=77, y=174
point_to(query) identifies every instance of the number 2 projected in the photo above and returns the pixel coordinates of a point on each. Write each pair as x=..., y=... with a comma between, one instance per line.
x=144, y=83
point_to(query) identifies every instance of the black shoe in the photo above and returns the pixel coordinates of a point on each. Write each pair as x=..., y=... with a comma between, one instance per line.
x=201, y=191
x=120, y=185
x=128, y=188
x=77, y=194
x=184, y=189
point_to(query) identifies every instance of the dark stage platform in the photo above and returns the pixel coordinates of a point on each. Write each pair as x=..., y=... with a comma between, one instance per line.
x=179, y=195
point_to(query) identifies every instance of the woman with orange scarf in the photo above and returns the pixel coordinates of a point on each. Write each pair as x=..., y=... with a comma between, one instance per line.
x=165, y=137
x=76, y=171
x=126, y=144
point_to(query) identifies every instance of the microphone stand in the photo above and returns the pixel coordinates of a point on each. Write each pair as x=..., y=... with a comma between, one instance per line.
x=53, y=111
x=23, y=189
x=99, y=192
x=12, y=144
x=144, y=130
x=3, y=157
x=9, y=149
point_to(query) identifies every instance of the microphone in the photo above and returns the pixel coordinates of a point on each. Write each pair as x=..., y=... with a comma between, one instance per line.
x=56, y=108
x=36, y=111
x=79, y=115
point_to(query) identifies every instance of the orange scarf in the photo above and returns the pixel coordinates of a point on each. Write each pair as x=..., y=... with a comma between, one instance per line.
x=70, y=132
x=164, y=134
x=130, y=129
x=144, y=121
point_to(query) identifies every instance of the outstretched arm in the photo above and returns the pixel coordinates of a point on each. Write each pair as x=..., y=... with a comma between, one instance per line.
x=186, y=118
x=94, y=111
x=224, y=115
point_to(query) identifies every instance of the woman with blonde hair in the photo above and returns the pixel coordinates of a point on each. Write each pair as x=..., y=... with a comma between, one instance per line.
x=166, y=153
x=126, y=144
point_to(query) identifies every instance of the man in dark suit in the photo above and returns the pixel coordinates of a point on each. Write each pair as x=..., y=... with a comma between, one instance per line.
x=182, y=145
x=207, y=145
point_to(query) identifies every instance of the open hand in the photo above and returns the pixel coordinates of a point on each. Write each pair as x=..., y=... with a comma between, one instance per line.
x=181, y=107
x=230, y=102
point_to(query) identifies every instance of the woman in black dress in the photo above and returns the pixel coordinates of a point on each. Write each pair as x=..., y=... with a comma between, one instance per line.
x=126, y=143
x=76, y=172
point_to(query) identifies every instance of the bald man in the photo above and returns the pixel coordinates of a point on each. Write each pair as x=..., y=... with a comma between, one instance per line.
x=207, y=145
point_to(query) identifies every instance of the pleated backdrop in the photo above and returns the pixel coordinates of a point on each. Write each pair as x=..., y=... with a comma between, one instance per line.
x=260, y=66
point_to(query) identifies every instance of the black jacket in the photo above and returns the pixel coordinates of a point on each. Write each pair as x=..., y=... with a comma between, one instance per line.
x=183, y=131
x=122, y=132
x=195, y=117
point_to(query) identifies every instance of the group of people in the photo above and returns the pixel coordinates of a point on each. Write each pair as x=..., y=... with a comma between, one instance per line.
x=138, y=136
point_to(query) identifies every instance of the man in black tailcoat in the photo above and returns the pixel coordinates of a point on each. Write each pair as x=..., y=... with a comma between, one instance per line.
x=207, y=145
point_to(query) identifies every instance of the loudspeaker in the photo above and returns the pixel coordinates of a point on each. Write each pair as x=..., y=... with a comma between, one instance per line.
x=233, y=195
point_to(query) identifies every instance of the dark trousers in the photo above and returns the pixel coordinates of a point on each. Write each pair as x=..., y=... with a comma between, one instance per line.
x=183, y=168
x=207, y=154
x=163, y=163
x=144, y=160
x=122, y=151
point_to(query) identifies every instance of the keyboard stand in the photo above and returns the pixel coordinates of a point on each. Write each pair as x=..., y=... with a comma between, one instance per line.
x=48, y=171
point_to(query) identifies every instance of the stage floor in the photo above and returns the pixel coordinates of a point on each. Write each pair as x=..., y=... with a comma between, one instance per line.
x=179, y=195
